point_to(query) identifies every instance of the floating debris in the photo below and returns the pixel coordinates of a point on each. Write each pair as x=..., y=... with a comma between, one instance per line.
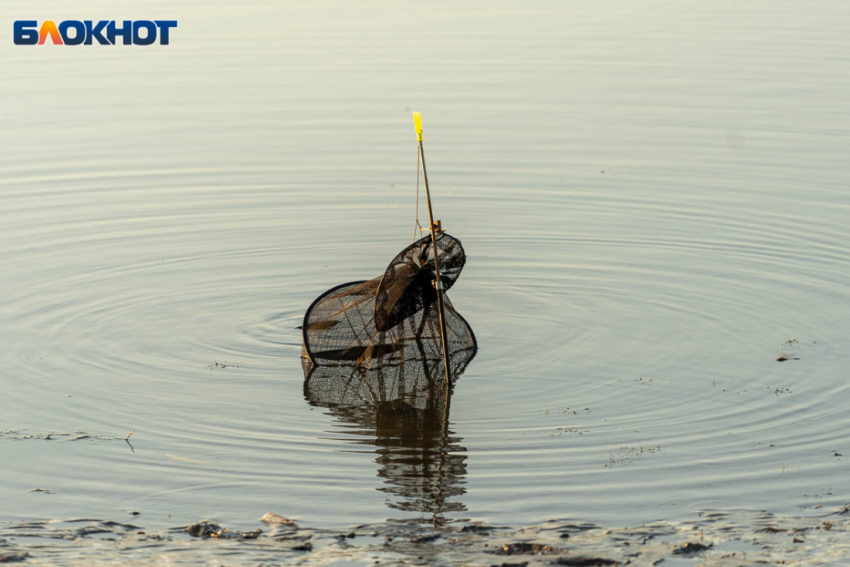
x=13, y=556
x=691, y=548
x=626, y=455
x=525, y=548
x=21, y=434
x=207, y=528
x=216, y=365
x=275, y=520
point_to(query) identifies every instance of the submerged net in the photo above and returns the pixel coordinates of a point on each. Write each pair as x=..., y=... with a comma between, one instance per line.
x=402, y=411
x=417, y=382
x=391, y=319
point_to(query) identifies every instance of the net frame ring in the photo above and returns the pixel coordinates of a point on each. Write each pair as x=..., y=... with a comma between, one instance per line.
x=305, y=322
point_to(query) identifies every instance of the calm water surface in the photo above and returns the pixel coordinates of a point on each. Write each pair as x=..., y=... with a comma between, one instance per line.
x=653, y=197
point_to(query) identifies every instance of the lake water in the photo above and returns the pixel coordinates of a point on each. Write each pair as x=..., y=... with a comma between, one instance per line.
x=653, y=198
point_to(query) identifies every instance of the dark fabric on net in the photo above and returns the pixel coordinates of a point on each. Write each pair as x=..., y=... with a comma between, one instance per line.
x=394, y=318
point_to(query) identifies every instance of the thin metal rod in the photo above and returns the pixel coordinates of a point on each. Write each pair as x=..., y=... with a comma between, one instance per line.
x=417, y=228
x=439, y=283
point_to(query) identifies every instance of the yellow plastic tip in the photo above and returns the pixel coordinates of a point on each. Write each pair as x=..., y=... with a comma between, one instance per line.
x=417, y=123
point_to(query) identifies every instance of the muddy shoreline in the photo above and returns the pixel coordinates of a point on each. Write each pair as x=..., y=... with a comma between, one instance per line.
x=710, y=539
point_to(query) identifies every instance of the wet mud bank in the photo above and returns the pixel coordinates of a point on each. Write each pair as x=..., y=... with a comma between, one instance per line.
x=710, y=539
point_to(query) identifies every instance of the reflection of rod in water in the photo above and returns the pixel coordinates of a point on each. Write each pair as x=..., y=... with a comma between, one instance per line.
x=444, y=432
x=417, y=122
x=444, y=441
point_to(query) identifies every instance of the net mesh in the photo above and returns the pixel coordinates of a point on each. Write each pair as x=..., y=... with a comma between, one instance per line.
x=391, y=319
x=418, y=382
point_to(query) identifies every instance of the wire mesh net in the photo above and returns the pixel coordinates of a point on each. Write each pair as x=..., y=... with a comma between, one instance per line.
x=418, y=382
x=393, y=318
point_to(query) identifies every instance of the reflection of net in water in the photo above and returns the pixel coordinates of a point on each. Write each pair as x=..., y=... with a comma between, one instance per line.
x=402, y=411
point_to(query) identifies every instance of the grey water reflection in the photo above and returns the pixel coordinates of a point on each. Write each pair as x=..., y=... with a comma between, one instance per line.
x=402, y=412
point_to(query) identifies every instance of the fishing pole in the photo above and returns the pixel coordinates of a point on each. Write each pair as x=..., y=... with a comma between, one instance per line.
x=435, y=227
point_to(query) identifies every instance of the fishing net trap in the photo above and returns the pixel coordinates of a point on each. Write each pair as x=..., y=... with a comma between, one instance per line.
x=400, y=326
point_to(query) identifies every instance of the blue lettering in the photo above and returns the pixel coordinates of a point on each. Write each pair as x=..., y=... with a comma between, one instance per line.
x=96, y=32
x=149, y=27
x=126, y=32
x=23, y=35
x=87, y=32
x=79, y=32
x=164, y=26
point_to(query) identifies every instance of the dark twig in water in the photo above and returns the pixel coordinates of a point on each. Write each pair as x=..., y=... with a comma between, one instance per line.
x=219, y=365
x=127, y=440
x=783, y=356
